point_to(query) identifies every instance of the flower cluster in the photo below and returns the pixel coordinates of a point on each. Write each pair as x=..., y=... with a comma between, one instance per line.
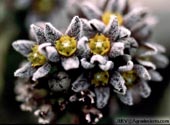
x=103, y=53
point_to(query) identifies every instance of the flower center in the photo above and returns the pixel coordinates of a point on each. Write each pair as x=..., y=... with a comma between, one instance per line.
x=44, y=6
x=106, y=17
x=99, y=44
x=36, y=58
x=100, y=78
x=66, y=46
x=130, y=77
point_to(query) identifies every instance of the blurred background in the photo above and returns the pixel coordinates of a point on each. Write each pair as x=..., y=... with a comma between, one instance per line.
x=15, y=17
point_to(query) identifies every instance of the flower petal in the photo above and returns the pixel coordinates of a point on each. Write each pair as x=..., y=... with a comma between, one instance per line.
x=98, y=58
x=159, y=47
x=155, y=76
x=97, y=25
x=127, y=98
x=51, y=33
x=87, y=29
x=38, y=33
x=70, y=62
x=127, y=67
x=41, y=72
x=80, y=84
x=161, y=61
x=118, y=83
x=23, y=46
x=52, y=54
x=142, y=72
x=61, y=83
x=41, y=48
x=85, y=64
x=141, y=31
x=117, y=49
x=25, y=72
x=116, y=5
x=82, y=48
x=124, y=32
x=108, y=66
x=147, y=50
x=90, y=11
x=102, y=96
x=144, y=89
x=146, y=63
x=130, y=44
x=74, y=28
x=111, y=29
x=136, y=15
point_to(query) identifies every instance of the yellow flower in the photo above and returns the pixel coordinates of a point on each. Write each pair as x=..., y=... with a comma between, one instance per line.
x=130, y=77
x=100, y=78
x=106, y=17
x=36, y=58
x=99, y=44
x=43, y=6
x=66, y=45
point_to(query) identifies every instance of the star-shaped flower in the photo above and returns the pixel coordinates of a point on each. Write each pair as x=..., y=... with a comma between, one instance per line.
x=150, y=55
x=103, y=82
x=136, y=18
x=38, y=65
x=50, y=46
x=64, y=45
x=101, y=43
x=135, y=81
